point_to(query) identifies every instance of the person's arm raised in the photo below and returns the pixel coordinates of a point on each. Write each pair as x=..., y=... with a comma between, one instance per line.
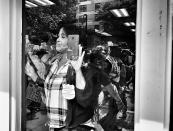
x=80, y=81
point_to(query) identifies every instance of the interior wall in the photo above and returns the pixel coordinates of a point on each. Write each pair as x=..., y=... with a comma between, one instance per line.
x=4, y=66
x=10, y=67
x=171, y=108
x=152, y=66
x=15, y=65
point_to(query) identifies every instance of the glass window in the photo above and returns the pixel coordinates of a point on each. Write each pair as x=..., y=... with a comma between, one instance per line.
x=41, y=25
x=97, y=6
x=82, y=8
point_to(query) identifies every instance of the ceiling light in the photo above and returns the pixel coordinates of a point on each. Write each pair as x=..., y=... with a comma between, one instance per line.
x=120, y=12
x=40, y=2
x=127, y=24
x=133, y=30
x=124, y=12
x=30, y=4
x=102, y=33
x=43, y=2
x=132, y=23
x=48, y=2
x=106, y=34
x=35, y=3
x=116, y=12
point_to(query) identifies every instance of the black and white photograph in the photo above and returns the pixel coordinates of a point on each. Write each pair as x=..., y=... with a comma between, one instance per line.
x=79, y=65
x=86, y=65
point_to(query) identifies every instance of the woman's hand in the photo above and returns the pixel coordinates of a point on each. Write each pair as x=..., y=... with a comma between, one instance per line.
x=80, y=81
x=78, y=63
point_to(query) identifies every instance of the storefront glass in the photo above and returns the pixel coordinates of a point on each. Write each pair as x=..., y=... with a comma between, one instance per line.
x=107, y=28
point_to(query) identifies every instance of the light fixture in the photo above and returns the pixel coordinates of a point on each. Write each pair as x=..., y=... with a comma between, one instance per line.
x=102, y=33
x=124, y=12
x=36, y=3
x=40, y=2
x=43, y=2
x=116, y=13
x=106, y=34
x=48, y=2
x=120, y=12
x=129, y=24
x=30, y=4
x=133, y=30
x=132, y=23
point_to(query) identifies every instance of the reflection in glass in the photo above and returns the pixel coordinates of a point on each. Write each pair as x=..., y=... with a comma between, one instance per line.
x=108, y=65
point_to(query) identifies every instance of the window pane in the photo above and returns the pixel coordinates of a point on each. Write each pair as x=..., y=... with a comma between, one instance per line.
x=50, y=82
x=97, y=6
x=82, y=8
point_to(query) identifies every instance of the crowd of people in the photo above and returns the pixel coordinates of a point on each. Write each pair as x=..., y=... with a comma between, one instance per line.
x=81, y=94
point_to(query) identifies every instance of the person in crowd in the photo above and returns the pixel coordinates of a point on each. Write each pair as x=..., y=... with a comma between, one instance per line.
x=109, y=122
x=97, y=77
x=71, y=93
x=125, y=84
x=34, y=89
x=67, y=96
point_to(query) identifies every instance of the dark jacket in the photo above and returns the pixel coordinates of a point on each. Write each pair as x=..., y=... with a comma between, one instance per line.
x=81, y=109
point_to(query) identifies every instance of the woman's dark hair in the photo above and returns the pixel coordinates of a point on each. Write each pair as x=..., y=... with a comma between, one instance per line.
x=66, y=30
x=69, y=29
x=54, y=33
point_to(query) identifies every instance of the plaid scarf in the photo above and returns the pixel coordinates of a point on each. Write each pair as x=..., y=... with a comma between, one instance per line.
x=56, y=104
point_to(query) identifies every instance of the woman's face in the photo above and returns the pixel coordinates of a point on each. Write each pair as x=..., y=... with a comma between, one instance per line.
x=62, y=40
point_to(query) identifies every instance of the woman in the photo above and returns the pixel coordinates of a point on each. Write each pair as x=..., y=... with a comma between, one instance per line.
x=65, y=96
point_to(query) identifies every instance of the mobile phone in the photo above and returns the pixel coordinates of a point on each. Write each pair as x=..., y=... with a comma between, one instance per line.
x=73, y=44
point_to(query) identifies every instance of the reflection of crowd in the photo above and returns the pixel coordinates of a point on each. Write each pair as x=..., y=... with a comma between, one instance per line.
x=88, y=93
